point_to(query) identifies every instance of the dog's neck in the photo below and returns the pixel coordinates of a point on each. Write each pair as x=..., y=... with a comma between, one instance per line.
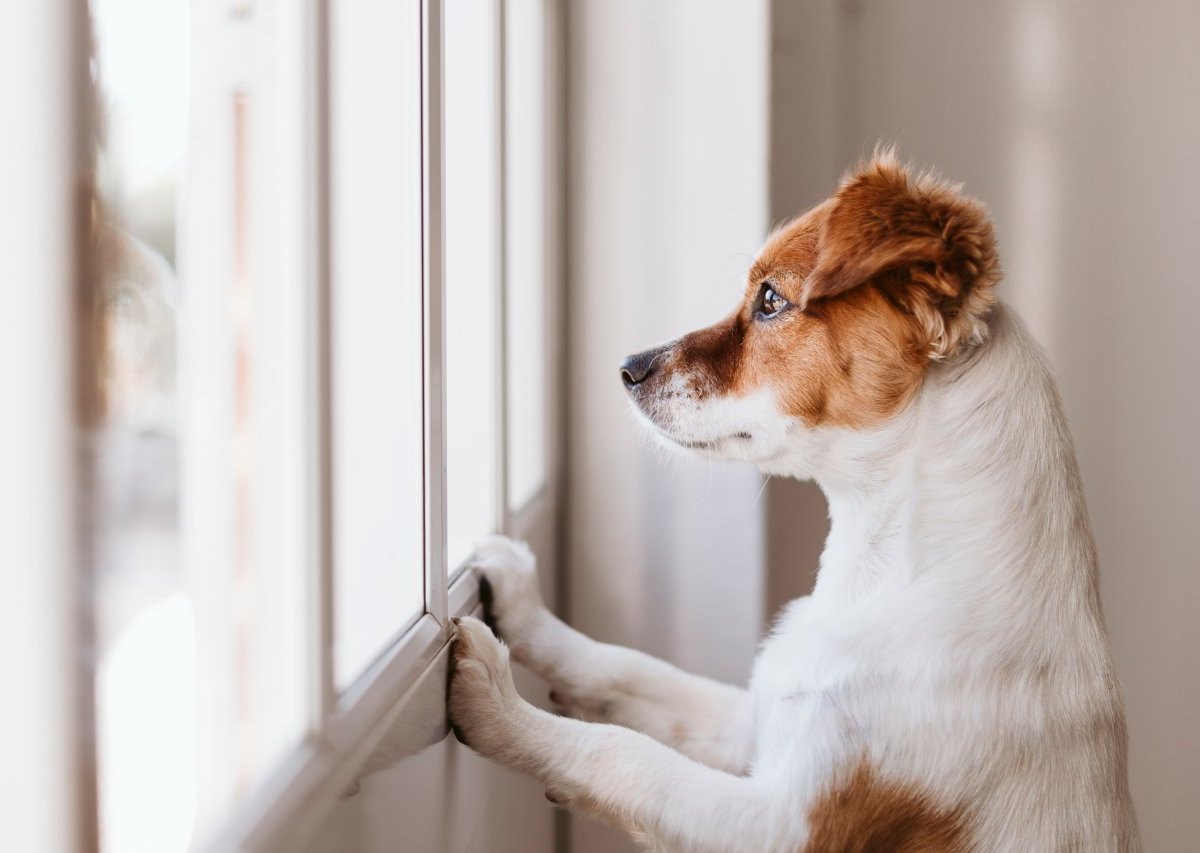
x=975, y=484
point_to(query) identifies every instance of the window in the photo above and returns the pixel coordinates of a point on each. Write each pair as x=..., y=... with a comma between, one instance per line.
x=528, y=310
x=317, y=361
x=472, y=272
x=376, y=329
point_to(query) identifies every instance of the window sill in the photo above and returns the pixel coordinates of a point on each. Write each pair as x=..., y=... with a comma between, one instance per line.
x=396, y=709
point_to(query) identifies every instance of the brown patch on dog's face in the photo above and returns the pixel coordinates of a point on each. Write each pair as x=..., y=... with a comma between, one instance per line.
x=851, y=361
x=864, y=813
x=843, y=312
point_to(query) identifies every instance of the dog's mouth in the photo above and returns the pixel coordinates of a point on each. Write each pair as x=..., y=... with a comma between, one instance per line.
x=652, y=412
x=707, y=444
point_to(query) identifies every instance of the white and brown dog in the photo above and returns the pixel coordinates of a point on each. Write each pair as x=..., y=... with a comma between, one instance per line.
x=948, y=684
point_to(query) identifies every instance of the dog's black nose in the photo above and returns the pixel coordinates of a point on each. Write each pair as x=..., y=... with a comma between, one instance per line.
x=636, y=368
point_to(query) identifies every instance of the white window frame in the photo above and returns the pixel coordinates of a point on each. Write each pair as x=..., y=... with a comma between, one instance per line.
x=397, y=707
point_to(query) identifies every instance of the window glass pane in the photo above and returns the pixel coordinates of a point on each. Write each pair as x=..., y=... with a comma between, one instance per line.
x=472, y=261
x=376, y=328
x=198, y=511
x=525, y=259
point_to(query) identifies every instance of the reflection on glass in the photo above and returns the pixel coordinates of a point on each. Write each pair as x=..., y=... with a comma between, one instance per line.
x=145, y=681
x=196, y=512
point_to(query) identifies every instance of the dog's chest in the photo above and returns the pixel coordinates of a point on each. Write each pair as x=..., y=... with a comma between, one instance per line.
x=821, y=679
x=804, y=663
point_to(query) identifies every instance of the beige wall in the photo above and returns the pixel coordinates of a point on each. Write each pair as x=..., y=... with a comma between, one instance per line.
x=1079, y=124
x=667, y=203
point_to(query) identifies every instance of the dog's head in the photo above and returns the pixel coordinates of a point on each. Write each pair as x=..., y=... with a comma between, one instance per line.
x=844, y=310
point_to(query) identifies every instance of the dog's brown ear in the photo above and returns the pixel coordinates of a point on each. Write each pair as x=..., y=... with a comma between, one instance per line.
x=930, y=245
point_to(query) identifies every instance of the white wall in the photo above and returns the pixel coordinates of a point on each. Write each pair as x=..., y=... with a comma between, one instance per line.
x=667, y=204
x=1079, y=124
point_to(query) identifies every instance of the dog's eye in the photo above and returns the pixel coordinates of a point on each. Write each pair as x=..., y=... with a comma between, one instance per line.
x=770, y=303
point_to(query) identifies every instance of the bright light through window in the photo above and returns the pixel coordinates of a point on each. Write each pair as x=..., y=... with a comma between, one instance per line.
x=224, y=547
x=145, y=622
x=376, y=247
x=200, y=444
x=525, y=269
x=472, y=273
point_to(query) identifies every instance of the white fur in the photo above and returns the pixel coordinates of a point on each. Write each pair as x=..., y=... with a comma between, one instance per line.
x=954, y=638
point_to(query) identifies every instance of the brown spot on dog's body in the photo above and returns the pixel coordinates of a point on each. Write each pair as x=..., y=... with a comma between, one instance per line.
x=863, y=813
x=888, y=274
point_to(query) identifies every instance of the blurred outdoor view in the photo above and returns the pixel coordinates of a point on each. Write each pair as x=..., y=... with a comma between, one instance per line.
x=202, y=514
x=145, y=698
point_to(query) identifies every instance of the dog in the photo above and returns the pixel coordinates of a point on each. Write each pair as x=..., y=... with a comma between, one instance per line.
x=948, y=685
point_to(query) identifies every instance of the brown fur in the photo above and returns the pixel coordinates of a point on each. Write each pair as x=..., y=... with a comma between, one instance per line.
x=866, y=814
x=939, y=243
x=888, y=274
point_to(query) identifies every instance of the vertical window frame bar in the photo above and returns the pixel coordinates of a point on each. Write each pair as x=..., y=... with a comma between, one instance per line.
x=502, y=516
x=433, y=300
x=554, y=242
x=323, y=690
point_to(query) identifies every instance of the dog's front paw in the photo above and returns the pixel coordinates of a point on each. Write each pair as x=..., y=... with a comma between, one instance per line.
x=512, y=602
x=482, y=701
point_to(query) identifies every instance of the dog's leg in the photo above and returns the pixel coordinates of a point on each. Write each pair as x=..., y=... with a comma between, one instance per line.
x=710, y=722
x=660, y=796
